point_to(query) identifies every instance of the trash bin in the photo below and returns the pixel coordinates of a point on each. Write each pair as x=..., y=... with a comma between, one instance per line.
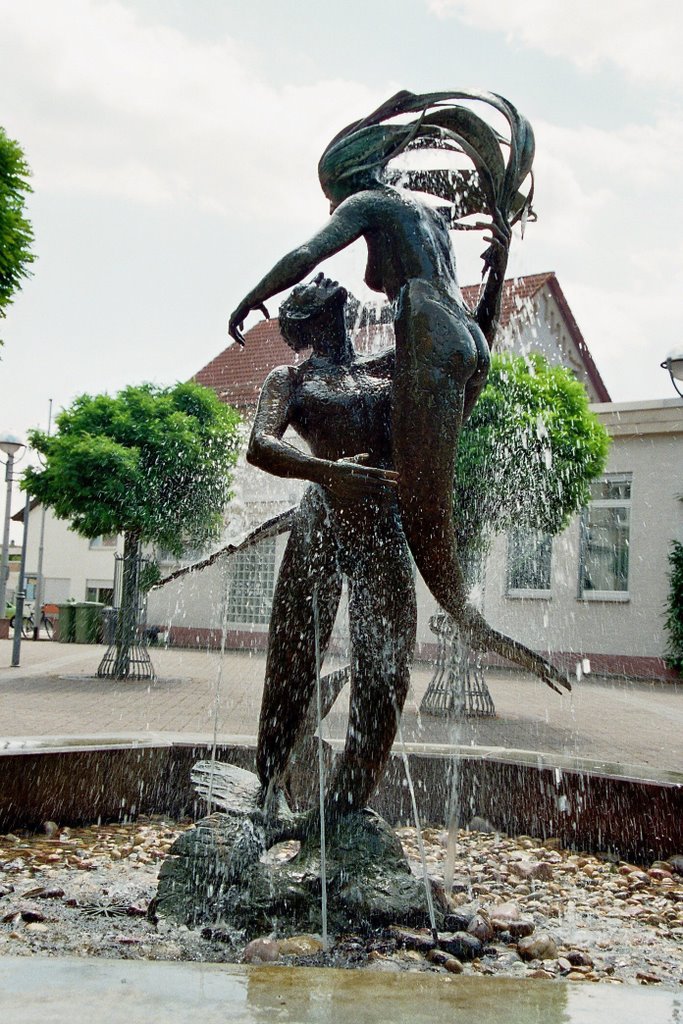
x=66, y=624
x=88, y=622
x=109, y=616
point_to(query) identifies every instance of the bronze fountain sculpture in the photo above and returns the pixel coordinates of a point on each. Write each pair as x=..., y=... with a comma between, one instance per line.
x=442, y=349
x=383, y=435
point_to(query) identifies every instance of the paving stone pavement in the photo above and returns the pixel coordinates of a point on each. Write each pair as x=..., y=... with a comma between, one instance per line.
x=55, y=692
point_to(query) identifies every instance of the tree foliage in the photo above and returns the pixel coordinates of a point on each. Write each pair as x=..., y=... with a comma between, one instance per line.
x=528, y=452
x=674, y=608
x=154, y=462
x=16, y=235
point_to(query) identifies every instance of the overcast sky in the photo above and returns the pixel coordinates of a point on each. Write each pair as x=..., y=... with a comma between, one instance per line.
x=174, y=149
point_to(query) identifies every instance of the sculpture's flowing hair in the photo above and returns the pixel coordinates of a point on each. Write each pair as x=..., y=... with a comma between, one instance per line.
x=369, y=144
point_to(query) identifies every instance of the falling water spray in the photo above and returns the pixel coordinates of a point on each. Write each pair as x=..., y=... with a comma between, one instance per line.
x=321, y=771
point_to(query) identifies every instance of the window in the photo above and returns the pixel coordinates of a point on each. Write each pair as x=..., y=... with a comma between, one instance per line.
x=605, y=529
x=106, y=541
x=188, y=556
x=99, y=590
x=528, y=563
x=251, y=582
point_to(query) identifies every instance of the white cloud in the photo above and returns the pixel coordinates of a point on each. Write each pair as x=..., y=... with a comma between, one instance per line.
x=610, y=226
x=642, y=38
x=106, y=103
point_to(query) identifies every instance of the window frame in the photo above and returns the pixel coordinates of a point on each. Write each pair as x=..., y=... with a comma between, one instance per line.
x=104, y=542
x=613, y=596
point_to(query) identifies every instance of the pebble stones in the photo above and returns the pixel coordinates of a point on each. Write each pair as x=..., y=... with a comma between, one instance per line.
x=612, y=922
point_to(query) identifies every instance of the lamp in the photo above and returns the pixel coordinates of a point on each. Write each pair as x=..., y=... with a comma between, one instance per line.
x=674, y=364
x=10, y=444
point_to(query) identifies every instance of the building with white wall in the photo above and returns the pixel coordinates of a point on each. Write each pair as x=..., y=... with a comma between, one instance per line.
x=74, y=568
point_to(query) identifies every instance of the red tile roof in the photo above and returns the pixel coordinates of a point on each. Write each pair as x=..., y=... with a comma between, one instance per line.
x=236, y=374
x=516, y=292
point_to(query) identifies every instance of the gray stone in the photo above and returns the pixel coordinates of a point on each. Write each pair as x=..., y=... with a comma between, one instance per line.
x=460, y=944
x=458, y=920
x=411, y=938
x=478, y=824
x=676, y=864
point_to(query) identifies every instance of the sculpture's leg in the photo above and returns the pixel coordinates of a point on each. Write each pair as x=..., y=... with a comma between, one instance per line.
x=436, y=356
x=382, y=622
x=309, y=562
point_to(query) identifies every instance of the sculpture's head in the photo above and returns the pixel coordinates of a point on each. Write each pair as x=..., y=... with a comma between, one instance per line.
x=309, y=309
x=355, y=161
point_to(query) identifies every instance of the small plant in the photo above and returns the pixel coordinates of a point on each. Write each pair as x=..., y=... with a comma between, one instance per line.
x=674, y=608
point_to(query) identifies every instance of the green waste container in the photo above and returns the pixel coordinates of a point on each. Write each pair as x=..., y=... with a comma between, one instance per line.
x=88, y=622
x=66, y=624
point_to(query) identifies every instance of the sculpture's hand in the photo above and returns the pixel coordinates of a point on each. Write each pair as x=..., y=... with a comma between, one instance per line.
x=351, y=479
x=236, y=321
x=499, y=239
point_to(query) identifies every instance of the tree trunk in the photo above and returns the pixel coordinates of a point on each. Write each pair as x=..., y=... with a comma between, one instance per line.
x=127, y=621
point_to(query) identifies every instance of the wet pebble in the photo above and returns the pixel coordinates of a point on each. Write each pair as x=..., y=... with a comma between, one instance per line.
x=461, y=944
x=300, y=945
x=537, y=947
x=261, y=951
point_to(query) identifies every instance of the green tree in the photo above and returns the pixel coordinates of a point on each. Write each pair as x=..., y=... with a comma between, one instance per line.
x=674, y=608
x=16, y=235
x=526, y=459
x=151, y=463
x=528, y=453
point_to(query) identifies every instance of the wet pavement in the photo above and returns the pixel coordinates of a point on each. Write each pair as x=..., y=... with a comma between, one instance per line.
x=55, y=692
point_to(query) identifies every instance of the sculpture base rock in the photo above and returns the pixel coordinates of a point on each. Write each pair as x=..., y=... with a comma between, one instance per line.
x=218, y=874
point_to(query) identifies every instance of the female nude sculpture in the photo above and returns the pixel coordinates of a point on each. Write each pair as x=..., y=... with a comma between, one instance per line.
x=347, y=525
x=442, y=348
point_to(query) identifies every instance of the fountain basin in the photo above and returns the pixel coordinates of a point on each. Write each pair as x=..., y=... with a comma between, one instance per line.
x=634, y=812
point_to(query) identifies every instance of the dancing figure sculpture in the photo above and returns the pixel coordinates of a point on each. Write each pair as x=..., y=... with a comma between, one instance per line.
x=442, y=348
x=347, y=525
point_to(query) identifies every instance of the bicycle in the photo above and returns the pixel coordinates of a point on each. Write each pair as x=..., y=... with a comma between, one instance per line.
x=48, y=614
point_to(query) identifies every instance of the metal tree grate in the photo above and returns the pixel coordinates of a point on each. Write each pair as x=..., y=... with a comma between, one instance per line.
x=138, y=663
x=134, y=662
x=458, y=688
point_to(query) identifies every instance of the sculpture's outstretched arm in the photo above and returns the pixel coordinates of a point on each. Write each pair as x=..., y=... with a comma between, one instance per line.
x=346, y=478
x=346, y=224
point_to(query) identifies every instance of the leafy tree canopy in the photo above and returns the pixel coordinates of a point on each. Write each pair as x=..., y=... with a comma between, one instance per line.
x=16, y=235
x=674, y=608
x=150, y=461
x=528, y=452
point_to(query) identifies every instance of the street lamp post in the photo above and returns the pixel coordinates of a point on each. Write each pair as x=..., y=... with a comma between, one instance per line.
x=674, y=364
x=10, y=445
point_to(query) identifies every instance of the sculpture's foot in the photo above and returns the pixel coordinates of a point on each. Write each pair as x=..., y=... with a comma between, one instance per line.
x=482, y=637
